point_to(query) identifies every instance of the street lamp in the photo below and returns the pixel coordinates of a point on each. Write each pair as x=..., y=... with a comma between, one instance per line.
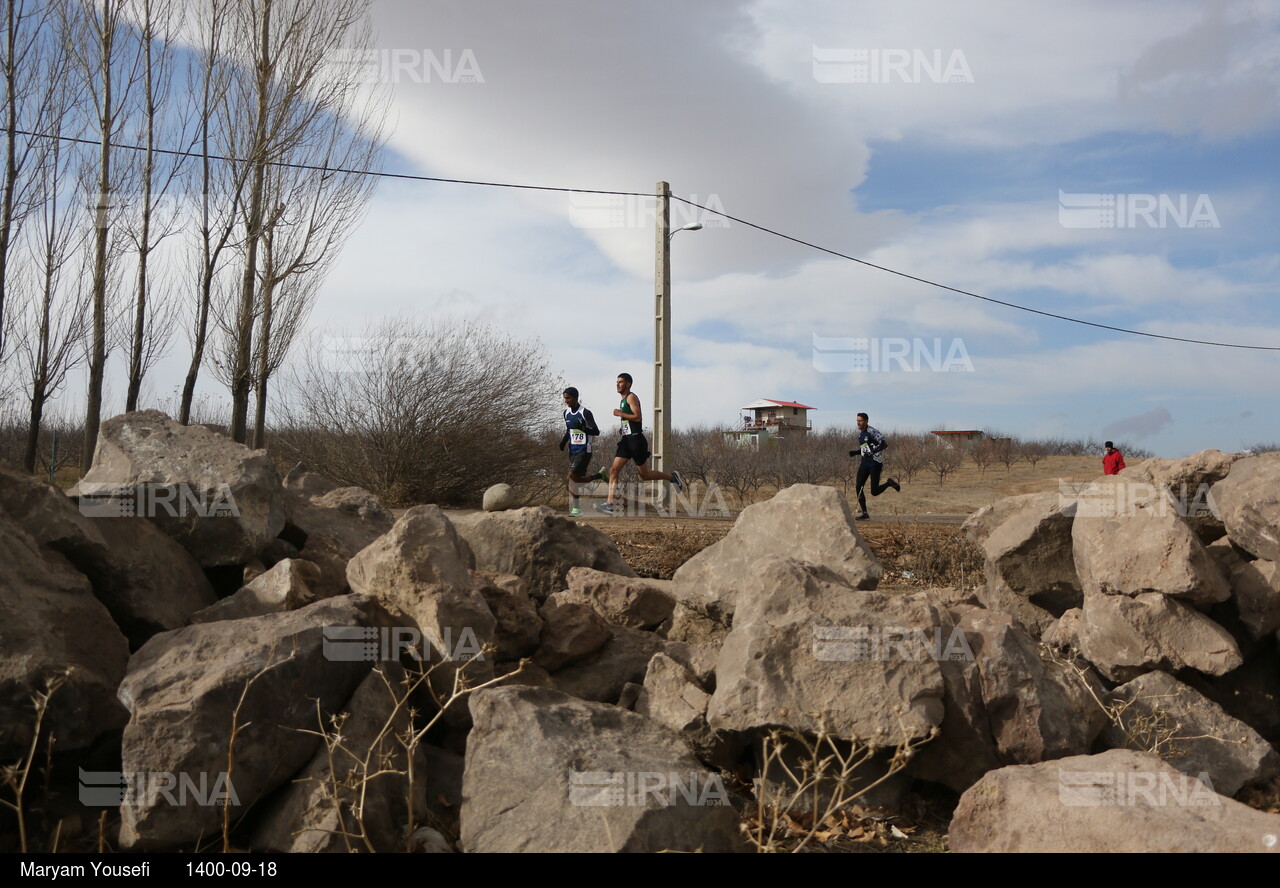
x=662, y=334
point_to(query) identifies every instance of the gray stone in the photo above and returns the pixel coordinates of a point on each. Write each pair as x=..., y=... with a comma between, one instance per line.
x=546, y=772
x=1249, y=501
x=1118, y=801
x=806, y=522
x=222, y=501
x=1157, y=713
x=1125, y=636
x=602, y=677
x=628, y=601
x=276, y=678
x=1255, y=586
x=498, y=498
x=519, y=627
x=570, y=634
x=537, y=545
x=809, y=652
x=285, y=587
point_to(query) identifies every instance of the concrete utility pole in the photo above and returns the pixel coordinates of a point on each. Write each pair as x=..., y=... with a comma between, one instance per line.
x=662, y=339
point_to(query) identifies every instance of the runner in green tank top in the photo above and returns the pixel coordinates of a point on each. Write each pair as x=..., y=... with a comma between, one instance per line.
x=632, y=446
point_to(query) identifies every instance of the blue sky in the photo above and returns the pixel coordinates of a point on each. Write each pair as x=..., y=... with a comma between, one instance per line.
x=735, y=104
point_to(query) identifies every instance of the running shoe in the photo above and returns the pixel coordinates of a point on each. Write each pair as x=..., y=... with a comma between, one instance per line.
x=575, y=513
x=603, y=475
x=895, y=485
x=606, y=508
x=861, y=516
x=675, y=479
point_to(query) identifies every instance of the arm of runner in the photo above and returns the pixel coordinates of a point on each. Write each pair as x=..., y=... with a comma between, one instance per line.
x=565, y=439
x=590, y=422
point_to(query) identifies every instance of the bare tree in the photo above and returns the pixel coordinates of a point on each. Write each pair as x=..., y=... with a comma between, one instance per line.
x=942, y=458
x=909, y=456
x=33, y=68
x=419, y=412
x=159, y=22
x=982, y=453
x=58, y=311
x=285, y=96
x=108, y=56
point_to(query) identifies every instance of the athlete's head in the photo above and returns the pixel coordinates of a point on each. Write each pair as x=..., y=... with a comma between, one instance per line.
x=624, y=382
x=571, y=397
x=862, y=422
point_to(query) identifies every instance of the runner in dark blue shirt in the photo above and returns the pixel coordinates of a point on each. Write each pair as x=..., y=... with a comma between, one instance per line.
x=871, y=445
x=579, y=428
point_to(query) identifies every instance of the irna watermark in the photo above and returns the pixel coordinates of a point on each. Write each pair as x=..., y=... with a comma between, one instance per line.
x=641, y=211
x=154, y=500
x=885, y=354
x=644, y=789
x=352, y=644
x=1126, y=789
x=1136, y=210
x=1130, y=498
x=405, y=65
x=890, y=66
x=634, y=499
x=884, y=643
x=109, y=789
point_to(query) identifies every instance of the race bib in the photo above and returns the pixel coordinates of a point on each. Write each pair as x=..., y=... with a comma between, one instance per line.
x=577, y=437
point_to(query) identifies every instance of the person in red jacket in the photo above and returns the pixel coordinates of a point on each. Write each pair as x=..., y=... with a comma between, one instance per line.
x=1113, y=462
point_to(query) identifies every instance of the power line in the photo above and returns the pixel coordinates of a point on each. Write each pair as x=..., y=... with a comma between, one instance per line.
x=749, y=224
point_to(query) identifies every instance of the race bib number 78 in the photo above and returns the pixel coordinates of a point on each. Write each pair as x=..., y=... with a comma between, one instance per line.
x=577, y=437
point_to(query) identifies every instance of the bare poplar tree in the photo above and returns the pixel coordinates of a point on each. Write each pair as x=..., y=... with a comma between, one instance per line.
x=287, y=95
x=58, y=312
x=220, y=184
x=108, y=56
x=33, y=64
x=154, y=219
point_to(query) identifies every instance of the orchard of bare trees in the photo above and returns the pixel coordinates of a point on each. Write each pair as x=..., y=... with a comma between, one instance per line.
x=175, y=175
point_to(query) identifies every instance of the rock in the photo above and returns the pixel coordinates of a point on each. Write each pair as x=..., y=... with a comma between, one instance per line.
x=1255, y=586
x=1125, y=636
x=806, y=522
x=285, y=587
x=50, y=623
x=546, y=772
x=222, y=501
x=672, y=696
x=1064, y=634
x=522, y=673
x=519, y=628
x=570, y=634
x=1146, y=548
x=429, y=841
x=277, y=550
x=637, y=603
x=331, y=555
x=419, y=572
x=1157, y=713
x=539, y=546
x=1118, y=801
x=699, y=659
x=1251, y=692
x=623, y=658
x=307, y=483
x=1249, y=501
x=499, y=497
x=352, y=514
x=147, y=581
x=1005, y=704
x=694, y=627
x=354, y=794
x=279, y=677
x=809, y=652
x=1026, y=545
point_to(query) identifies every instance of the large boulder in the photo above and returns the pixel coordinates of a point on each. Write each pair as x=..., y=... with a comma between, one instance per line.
x=809, y=652
x=53, y=630
x=1157, y=713
x=1118, y=801
x=419, y=571
x=673, y=696
x=1249, y=501
x=805, y=522
x=271, y=682
x=546, y=772
x=570, y=634
x=628, y=601
x=1145, y=548
x=147, y=581
x=538, y=545
x=498, y=498
x=1255, y=588
x=519, y=627
x=285, y=587
x=1026, y=546
x=354, y=794
x=352, y=514
x=1125, y=636
x=622, y=660
x=222, y=501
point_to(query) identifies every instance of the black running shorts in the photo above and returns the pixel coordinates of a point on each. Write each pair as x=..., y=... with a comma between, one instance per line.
x=635, y=447
x=578, y=464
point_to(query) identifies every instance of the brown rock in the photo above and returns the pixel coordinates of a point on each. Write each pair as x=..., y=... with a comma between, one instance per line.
x=1125, y=636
